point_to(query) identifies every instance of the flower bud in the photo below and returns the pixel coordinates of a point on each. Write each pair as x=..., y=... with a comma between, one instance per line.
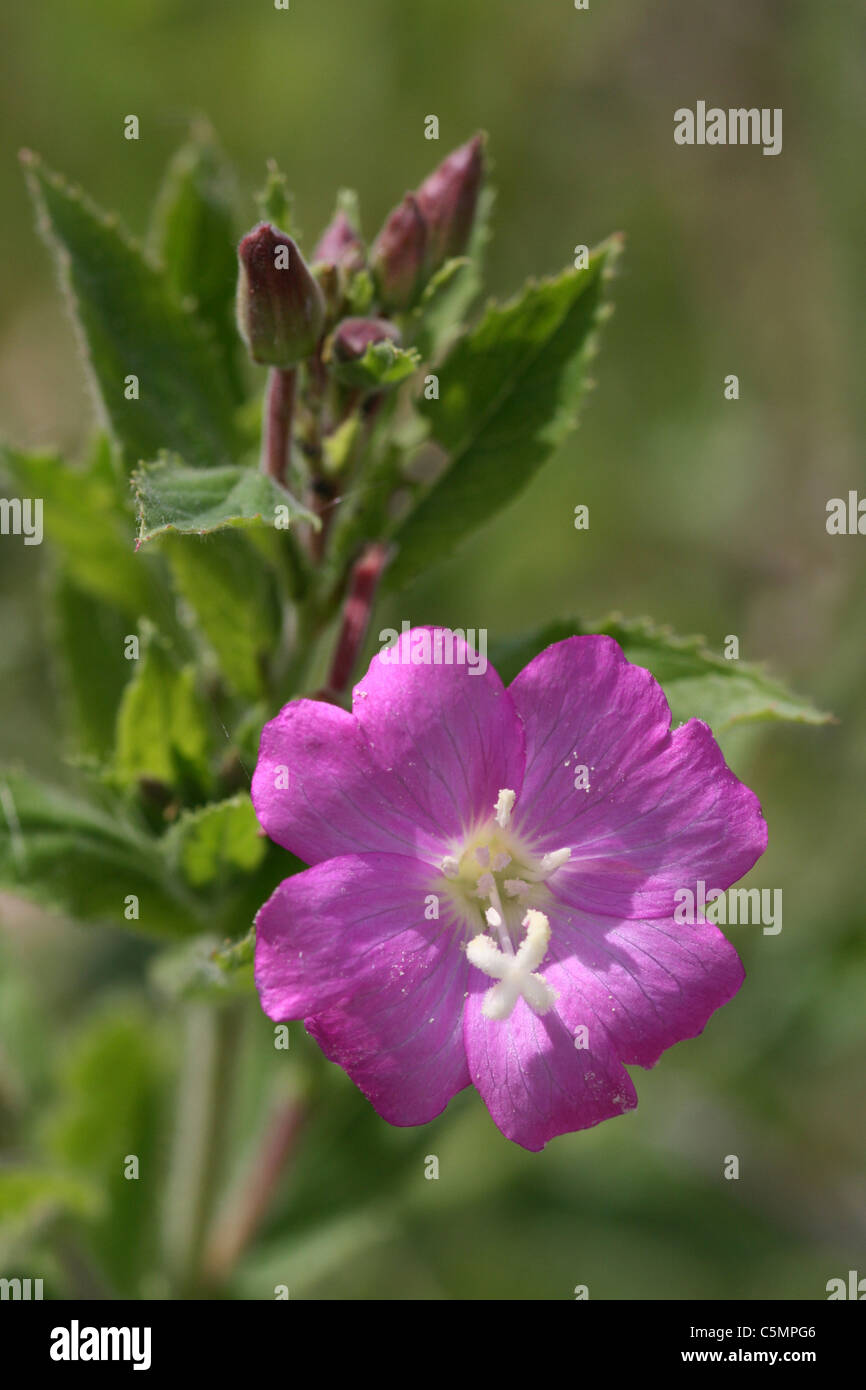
x=340, y=246
x=448, y=200
x=280, y=308
x=354, y=336
x=399, y=253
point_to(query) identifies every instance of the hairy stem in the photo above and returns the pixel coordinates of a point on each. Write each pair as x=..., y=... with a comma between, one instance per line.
x=277, y=432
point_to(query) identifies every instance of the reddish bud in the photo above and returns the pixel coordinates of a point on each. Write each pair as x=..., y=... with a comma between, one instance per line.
x=340, y=245
x=448, y=200
x=354, y=336
x=280, y=308
x=399, y=254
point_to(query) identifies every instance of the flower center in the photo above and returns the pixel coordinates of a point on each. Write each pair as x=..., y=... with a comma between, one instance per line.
x=496, y=880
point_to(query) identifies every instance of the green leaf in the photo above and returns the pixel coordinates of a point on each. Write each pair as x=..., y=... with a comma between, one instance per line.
x=31, y=1197
x=275, y=200
x=216, y=841
x=132, y=325
x=509, y=392
x=195, y=501
x=86, y=520
x=163, y=729
x=192, y=970
x=698, y=682
x=232, y=592
x=383, y=365
x=93, y=669
x=239, y=954
x=110, y=1109
x=86, y=859
x=193, y=236
x=360, y=293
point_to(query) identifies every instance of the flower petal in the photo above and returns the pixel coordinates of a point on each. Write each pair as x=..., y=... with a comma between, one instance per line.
x=347, y=946
x=532, y=1078
x=319, y=792
x=642, y=985
x=448, y=730
x=662, y=810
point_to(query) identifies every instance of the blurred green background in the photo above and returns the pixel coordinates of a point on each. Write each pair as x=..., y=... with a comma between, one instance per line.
x=706, y=514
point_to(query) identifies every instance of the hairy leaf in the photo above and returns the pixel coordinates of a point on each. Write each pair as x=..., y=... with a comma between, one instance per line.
x=509, y=392
x=698, y=683
x=132, y=325
x=171, y=496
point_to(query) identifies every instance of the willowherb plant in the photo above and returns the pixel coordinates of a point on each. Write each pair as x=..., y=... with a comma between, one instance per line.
x=492, y=870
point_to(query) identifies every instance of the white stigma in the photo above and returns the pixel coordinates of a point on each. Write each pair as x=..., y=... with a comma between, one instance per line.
x=504, y=806
x=515, y=973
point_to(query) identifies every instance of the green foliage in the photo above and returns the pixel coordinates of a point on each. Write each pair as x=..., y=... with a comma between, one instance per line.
x=193, y=235
x=509, y=392
x=132, y=324
x=211, y=844
x=275, y=200
x=698, y=683
x=90, y=642
x=32, y=1198
x=110, y=1110
x=163, y=728
x=171, y=496
x=87, y=522
x=232, y=594
x=383, y=365
x=87, y=857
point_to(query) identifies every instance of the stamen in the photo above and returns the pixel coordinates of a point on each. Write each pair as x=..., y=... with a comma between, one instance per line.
x=504, y=806
x=492, y=917
x=486, y=885
x=450, y=866
x=554, y=860
x=482, y=854
x=501, y=861
x=516, y=887
x=515, y=973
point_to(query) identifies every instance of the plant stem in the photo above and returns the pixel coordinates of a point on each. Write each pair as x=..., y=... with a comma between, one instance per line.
x=277, y=433
x=204, y=1094
x=363, y=583
x=243, y=1219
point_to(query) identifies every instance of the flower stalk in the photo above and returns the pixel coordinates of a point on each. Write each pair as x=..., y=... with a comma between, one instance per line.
x=279, y=416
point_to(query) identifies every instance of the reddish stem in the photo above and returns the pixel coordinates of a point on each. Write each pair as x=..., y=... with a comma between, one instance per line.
x=277, y=434
x=241, y=1224
x=363, y=583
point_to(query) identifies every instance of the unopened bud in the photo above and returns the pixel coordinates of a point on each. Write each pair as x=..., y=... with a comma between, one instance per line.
x=280, y=308
x=448, y=200
x=399, y=254
x=354, y=336
x=347, y=347
x=340, y=245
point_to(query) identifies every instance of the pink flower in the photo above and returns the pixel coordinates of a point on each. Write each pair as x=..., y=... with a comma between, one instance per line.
x=491, y=897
